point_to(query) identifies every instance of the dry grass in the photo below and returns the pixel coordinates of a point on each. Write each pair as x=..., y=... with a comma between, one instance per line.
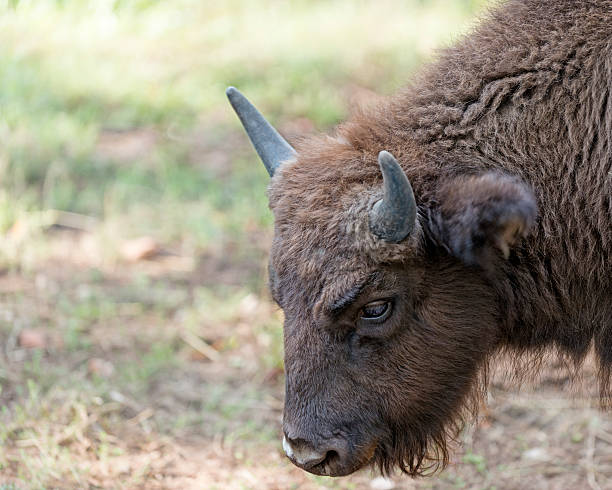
x=171, y=414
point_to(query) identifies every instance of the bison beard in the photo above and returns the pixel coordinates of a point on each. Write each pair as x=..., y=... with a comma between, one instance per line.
x=471, y=214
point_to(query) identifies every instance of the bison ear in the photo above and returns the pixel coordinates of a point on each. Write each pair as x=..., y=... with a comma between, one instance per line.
x=481, y=216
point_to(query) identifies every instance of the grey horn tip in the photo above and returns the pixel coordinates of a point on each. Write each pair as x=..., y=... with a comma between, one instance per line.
x=386, y=160
x=385, y=154
x=269, y=144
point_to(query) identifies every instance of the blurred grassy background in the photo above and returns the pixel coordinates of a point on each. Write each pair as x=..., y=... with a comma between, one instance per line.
x=138, y=345
x=116, y=109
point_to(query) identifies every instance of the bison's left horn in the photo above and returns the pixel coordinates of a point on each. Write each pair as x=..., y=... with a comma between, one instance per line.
x=394, y=216
x=270, y=146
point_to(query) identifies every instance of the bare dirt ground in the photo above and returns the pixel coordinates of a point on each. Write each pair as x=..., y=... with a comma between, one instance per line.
x=100, y=407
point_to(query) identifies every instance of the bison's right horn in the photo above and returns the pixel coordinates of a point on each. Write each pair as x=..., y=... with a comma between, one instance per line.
x=394, y=216
x=270, y=146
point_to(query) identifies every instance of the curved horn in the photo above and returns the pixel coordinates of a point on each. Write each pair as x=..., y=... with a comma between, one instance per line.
x=393, y=217
x=270, y=146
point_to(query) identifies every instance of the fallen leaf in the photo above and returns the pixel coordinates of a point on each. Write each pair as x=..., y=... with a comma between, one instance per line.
x=139, y=249
x=30, y=338
x=18, y=231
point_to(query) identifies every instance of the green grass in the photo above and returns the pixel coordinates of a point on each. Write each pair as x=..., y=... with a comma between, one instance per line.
x=72, y=72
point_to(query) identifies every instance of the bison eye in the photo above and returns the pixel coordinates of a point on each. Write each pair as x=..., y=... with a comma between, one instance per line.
x=376, y=311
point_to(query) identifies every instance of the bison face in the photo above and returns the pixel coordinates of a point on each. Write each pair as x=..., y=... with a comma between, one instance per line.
x=385, y=338
x=390, y=306
x=379, y=363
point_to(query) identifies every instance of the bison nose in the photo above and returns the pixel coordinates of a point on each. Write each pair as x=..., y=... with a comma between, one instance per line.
x=325, y=459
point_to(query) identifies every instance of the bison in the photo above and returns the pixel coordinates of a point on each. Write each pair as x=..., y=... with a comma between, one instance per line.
x=468, y=215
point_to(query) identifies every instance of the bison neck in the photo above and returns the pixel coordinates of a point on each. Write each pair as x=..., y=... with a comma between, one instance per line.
x=540, y=109
x=544, y=302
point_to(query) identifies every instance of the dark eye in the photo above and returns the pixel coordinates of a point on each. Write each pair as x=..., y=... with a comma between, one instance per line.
x=376, y=311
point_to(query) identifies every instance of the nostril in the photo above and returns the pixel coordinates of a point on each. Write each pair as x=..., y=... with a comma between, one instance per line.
x=320, y=465
x=302, y=452
x=331, y=457
x=319, y=460
x=311, y=463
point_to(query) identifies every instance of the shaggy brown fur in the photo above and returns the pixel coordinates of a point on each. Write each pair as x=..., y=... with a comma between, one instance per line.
x=507, y=135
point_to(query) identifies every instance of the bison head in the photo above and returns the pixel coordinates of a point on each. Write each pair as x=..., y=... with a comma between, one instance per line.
x=389, y=302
